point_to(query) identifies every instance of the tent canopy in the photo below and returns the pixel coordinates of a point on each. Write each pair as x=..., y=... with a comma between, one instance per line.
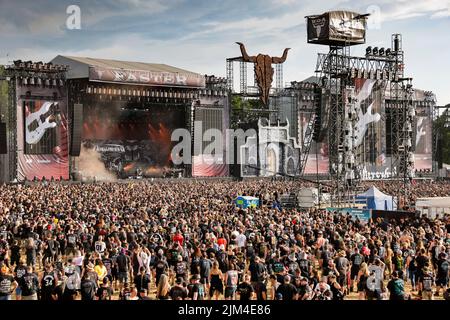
x=377, y=200
x=436, y=202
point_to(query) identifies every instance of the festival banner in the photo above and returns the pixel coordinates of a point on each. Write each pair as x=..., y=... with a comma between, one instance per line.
x=362, y=214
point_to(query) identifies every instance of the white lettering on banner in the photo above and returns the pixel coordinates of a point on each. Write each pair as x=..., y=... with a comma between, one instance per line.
x=131, y=77
x=371, y=175
x=144, y=77
x=181, y=79
x=118, y=76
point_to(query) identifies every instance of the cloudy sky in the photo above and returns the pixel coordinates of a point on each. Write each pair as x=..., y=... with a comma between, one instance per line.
x=199, y=34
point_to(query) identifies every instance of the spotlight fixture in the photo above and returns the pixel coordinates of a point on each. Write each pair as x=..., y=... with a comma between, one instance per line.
x=32, y=81
x=388, y=52
x=368, y=50
x=375, y=51
x=381, y=52
x=47, y=82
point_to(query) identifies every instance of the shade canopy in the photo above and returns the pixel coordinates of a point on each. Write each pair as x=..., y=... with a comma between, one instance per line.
x=377, y=200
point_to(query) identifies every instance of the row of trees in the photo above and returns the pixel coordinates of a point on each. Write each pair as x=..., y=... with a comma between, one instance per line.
x=442, y=129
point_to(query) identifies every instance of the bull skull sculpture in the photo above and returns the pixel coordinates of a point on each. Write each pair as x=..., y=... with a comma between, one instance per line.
x=263, y=70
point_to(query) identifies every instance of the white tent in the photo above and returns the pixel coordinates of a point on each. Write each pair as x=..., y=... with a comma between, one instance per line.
x=377, y=200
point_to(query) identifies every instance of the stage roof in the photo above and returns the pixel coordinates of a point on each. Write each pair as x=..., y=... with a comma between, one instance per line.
x=106, y=70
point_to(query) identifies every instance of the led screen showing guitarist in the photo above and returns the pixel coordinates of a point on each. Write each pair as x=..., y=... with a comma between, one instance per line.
x=40, y=124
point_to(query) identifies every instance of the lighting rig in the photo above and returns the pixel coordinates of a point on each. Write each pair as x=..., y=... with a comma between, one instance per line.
x=29, y=73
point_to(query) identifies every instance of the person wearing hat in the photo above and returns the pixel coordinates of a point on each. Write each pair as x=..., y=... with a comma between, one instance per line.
x=7, y=283
x=90, y=272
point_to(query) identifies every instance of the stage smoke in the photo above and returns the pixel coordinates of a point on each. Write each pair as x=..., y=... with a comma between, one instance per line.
x=91, y=165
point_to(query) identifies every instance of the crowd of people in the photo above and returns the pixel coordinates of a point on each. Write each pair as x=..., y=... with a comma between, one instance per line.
x=186, y=239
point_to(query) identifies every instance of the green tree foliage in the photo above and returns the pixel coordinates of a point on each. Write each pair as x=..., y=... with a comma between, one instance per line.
x=3, y=93
x=442, y=127
x=245, y=111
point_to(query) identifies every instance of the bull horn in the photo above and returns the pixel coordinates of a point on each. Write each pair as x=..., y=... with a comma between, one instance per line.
x=245, y=56
x=283, y=58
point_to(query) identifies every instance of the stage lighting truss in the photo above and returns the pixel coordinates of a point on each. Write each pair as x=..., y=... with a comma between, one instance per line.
x=350, y=163
x=37, y=73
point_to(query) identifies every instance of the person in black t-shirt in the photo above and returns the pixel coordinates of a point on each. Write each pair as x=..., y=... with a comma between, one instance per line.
x=196, y=290
x=161, y=267
x=7, y=283
x=123, y=263
x=245, y=289
x=49, y=280
x=142, y=280
x=19, y=272
x=261, y=290
x=88, y=288
x=287, y=290
x=178, y=291
x=104, y=292
x=15, y=253
x=30, y=285
x=356, y=259
x=442, y=275
x=257, y=271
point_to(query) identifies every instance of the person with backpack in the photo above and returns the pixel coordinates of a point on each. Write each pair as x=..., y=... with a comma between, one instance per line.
x=356, y=260
x=374, y=286
x=427, y=284
x=396, y=287
x=71, y=284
